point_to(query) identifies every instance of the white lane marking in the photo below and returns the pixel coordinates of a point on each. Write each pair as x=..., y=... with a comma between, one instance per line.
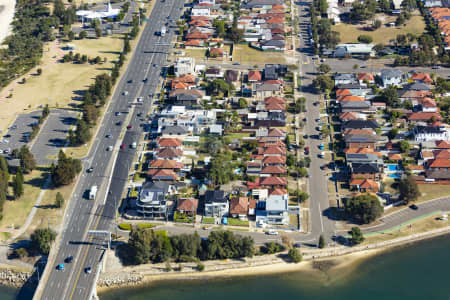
x=320, y=216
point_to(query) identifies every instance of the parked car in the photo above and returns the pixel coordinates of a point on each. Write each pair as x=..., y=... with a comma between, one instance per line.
x=117, y=113
x=108, y=136
x=122, y=146
x=413, y=206
x=306, y=150
x=129, y=127
x=90, y=170
x=125, y=93
x=272, y=232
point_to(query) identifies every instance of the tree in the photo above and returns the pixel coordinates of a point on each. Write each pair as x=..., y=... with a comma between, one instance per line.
x=365, y=39
x=364, y=208
x=404, y=146
x=409, y=190
x=295, y=255
x=376, y=24
x=324, y=68
x=17, y=184
x=357, y=236
x=220, y=27
x=41, y=240
x=323, y=83
x=45, y=112
x=390, y=96
x=66, y=170
x=82, y=35
x=27, y=162
x=355, y=66
x=21, y=252
x=82, y=133
x=243, y=103
x=71, y=35
x=98, y=31
x=59, y=201
x=4, y=167
x=321, y=242
x=400, y=20
x=126, y=46
x=302, y=172
x=200, y=267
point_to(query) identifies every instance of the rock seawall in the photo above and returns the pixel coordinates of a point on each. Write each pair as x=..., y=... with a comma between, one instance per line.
x=13, y=278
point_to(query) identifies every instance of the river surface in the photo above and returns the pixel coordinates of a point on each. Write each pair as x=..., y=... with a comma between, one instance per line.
x=418, y=271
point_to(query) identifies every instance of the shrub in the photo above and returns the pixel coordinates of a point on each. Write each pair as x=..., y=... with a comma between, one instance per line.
x=200, y=267
x=366, y=39
x=21, y=252
x=295, y=255
x=125, y=226
x=168, y=267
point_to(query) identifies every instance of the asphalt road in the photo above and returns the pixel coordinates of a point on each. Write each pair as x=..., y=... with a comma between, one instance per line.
x=52, y=136
x=82, y=215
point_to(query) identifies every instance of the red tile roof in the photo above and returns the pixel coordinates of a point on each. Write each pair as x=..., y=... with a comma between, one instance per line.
x=275, y=106
x=274, y=181
x=273, y=150
x=274, y=100
x=165, y=164
x=216, y=52
x=348, y=116
x=254, y=76
x=169, y=142
x=365, y=183
x=274, y=160
x=274, y=170
x=440, y=163
x=239, y=205
x=162, y=174
x=442, y=145
x=424, y=116
x=279, y=192
x=170, y=152
x=426, y=78
x=350, y=98
x=276, y=132
x=366, y=76
x=188, y=204
x=193, y=43
x=442, y=154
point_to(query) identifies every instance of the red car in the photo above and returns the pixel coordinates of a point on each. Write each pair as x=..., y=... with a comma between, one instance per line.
x=122, y=146
x=129, y=126
x=306, y=150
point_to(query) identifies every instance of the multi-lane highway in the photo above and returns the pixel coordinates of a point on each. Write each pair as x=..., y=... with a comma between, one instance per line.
x=110, y=168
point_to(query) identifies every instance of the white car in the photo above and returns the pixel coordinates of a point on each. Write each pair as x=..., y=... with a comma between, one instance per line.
x=109, y=148
x=139, y=99
x=272, y=232
x=125, y=93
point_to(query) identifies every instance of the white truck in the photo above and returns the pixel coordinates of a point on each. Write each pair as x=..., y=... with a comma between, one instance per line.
x=92, y=192
x=163, y=31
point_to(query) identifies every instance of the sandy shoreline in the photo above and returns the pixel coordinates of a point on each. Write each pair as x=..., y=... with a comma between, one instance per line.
x=337, y=266
x=7, y=9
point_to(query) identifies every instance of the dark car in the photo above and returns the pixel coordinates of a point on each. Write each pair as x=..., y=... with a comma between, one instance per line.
x=90, y=169
x=68, y=260
x=88, y=270
x=119, y=123
x=413, y=206
x=130, y=81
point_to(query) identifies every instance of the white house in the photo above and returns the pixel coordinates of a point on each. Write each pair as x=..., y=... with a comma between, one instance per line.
x=277, y=208
x=184, y=65
x=206, y=2
x=391, y=77
x=201, y=11
x=344, y=78
x=429, y=134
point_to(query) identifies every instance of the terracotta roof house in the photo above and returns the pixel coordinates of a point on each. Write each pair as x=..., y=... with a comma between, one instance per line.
x=273, y=151
x=162, y=175
x=274, y=100
x=254, y=76
x=273, y=182
x=278, y=192
x=442, y=145
x=439, y=164
x=343, y=92
x=239, y=207
x=170, y=153
x=350, y=98
x=275, y=107
x=216, y=52
x=275, y=132
x=364, y=185
x=424, y=116
x=194, y=43
x=168, y=142
x=364, y=150
x=187, y=206
x=273, y=171
x=348, y=116
x=423, y=77
x=196, y=36
x=395, y=156
x=274, y=160
x=165, y=164
x=441, y=154
x=365, y=76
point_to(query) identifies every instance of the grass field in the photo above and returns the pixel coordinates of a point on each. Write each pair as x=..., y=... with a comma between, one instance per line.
x=198, y=54
x=433, y=191
x=60, y=83
x=419, y=226
x=349, y=33
x=246, y=55
x=16, y=211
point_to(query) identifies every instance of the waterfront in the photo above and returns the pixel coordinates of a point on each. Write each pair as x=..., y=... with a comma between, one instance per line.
x=417, y=271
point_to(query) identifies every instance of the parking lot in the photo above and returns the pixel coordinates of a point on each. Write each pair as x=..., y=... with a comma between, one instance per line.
x=18, y=133
x=52, y=136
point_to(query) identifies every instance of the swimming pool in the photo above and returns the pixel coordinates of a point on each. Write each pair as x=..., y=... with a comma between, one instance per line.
x=393, y=167
x=395, y=176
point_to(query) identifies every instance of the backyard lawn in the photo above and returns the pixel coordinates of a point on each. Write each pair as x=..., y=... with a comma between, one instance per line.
x=349, y=33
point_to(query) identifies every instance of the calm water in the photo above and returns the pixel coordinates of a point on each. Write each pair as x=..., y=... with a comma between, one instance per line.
x=420, y=271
